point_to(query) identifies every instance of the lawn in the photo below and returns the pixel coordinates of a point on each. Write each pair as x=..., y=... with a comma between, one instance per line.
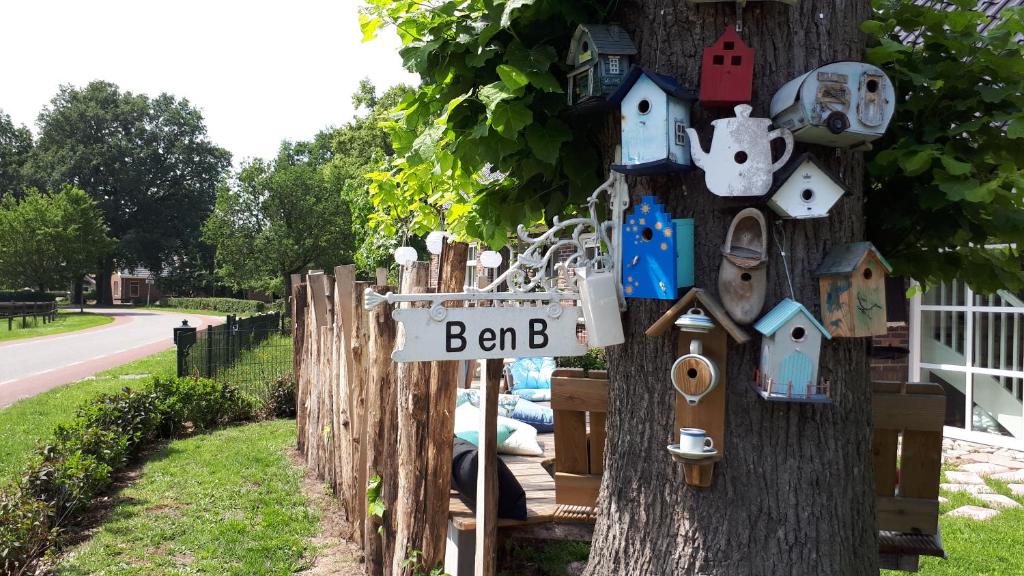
x=226, y=503
x=25, y=423
x=65, y=322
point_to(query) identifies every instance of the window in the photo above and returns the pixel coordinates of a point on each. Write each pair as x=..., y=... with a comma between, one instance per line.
x=613, y=65
x=133, y=288
x=680, y=133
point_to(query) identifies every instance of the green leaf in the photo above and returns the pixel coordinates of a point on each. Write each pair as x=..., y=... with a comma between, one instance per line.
x=369, y=26
x=917, y=162
x=545, y=81
x=513, y=77
x=494, y=93
x=954, y=166
x=546, y=141
x=957, y=189
x=1015, y=129
x=511, y=6
x=510, y=118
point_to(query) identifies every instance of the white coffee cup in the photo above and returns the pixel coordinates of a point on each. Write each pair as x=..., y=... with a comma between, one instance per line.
x=694, y=440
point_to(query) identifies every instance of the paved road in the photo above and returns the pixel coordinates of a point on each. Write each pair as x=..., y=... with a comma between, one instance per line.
x=31, y=366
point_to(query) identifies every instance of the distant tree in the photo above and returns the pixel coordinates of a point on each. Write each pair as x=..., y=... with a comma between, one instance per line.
x=146, y=161
x=49, y=241
x=15, y=146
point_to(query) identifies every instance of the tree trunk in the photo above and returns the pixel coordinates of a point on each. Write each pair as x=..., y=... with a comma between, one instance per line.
x=794, y=494
x=76, y=294
x=104, y=296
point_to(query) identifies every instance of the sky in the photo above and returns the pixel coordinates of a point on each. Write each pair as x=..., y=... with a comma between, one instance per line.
x=260, y=71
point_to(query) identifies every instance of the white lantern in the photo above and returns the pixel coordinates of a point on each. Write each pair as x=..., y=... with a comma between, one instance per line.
x=405, y=255
x=435, y=241
x=490, y=259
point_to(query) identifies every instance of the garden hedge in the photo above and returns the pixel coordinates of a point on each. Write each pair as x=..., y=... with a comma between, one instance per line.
x=27, y=296
x=226, y=305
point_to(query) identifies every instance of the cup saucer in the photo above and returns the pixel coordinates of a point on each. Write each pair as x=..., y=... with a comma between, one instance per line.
x=706, y=453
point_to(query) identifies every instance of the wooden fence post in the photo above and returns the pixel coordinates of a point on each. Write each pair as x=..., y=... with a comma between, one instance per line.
x=487, y=472
x=357, y=405
x=413, y=415
x=381, y=435
x=345, y=485
x=298, y=356
x=443, y=380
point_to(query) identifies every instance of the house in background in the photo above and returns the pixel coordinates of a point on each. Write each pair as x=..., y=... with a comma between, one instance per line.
x=137, y=285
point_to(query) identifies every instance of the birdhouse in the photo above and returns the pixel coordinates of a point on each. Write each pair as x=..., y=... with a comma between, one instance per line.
x=851, y=281
x=649, y=252
x=727, y=72
x=789, y=355
x=655, y=115
x=600, y=57
x=843, y=104
x=805, y=188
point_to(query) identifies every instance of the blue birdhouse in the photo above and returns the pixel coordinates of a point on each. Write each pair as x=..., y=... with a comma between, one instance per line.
x=600, y=56
x=789, y=355
x=649, y=252
x=655, y=115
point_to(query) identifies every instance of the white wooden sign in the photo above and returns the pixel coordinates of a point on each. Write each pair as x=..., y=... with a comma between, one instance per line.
x=440, y=333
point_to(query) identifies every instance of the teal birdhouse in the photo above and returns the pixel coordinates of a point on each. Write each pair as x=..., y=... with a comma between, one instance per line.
x=649, y=252
x=790, y=348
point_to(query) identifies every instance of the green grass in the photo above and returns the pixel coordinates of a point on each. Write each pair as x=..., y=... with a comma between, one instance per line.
x=65, y=322
x=226, y=503
x=26, y=423
x=991, y=548
x=256, y=370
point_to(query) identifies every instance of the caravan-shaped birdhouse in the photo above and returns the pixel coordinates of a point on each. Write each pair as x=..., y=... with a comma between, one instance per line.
x=851, y=281
x=649, y=252
x=727, y=72
x=655, y=115
x=600, y=57
x=843, y=104
x=805, y=189
x=790, y=348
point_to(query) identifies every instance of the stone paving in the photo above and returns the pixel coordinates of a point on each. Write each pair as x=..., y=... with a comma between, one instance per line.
x=974, y=463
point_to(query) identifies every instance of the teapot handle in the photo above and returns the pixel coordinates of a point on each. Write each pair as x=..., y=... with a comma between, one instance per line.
x=786, y=135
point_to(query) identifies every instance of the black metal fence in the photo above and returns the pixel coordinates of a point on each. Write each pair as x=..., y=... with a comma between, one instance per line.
x=249, y=353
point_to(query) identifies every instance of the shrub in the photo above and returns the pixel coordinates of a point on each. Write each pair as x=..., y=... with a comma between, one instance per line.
x=283, y=395
x=24, y=530
x=594, y=359
x=27, y=296
x=226, y=305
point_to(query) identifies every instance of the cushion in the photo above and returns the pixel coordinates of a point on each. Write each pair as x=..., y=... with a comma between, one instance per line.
x=534, y=394
x=506, y=402
x=531, y=373
x=522, y=441
x=540, y=417
x=467, y=425
x=511, y=496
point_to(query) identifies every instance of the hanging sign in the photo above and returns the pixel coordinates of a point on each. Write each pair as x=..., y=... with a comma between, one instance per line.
x=440, y=333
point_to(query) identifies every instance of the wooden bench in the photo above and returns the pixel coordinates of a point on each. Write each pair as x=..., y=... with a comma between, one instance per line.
x=559, y=507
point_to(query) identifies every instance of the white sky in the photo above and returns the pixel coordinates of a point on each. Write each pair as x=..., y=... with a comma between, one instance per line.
x=260, y=71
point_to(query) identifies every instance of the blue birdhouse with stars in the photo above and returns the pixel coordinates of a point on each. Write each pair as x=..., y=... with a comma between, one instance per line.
x=649, y=252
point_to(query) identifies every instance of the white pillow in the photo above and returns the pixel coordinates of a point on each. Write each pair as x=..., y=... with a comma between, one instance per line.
x=522, y=442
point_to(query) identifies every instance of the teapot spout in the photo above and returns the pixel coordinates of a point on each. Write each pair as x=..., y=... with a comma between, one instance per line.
x=696, y=150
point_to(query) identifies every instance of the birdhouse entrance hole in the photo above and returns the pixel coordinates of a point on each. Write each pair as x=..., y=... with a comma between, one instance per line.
x=647, y=234
x=644, y=106
x=807, y=194
x=745, y=276
x=872, y=86
x=867, y=273
x=691, y=373
x=741, y=157
x=798, y=333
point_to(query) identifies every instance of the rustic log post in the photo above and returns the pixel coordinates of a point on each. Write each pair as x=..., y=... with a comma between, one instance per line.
x=413, y=413
x=443, y=379
x=357, y=404
x=381, y=435
x=345, y=480
x=487, y=472
x=312, y=373
x=327, y=435
x=298, y=368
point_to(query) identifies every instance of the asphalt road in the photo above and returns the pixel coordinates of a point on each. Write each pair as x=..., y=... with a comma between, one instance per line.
x=34, y=365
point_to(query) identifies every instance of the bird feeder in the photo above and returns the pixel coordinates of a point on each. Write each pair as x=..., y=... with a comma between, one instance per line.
x=727, y=72
x=600, y=57
x=649, y=252
x=655, y=115
x=790, y=351
x=805, y=189
x=843, y=104
x=712, y=328
x=851, y=282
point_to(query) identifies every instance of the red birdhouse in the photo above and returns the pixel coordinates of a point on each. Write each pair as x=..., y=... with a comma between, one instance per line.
x=727, y=74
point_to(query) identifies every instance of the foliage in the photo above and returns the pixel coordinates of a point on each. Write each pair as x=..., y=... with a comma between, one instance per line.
x=482, y=143
x=414, y=563
x=26, y=296
x=228, y=305
x=70, y=471
x=375, y=505
x=945, y=180
x=594, y=359
x=283, y=394
x=50, y=240
x=15, y=146
x=142, y=159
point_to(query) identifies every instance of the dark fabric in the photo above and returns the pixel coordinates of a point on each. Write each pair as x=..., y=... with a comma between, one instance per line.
x=511, y=496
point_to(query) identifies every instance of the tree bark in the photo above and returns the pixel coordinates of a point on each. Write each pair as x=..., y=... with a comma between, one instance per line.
x=104, y=296
x=794, y=494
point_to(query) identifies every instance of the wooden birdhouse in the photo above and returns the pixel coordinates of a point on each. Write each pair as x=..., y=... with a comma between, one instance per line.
x=843, y=104
x=727, y=72
x=713, y=332
x=649, y=252
x=805, y=188
x=789, y=355
x=851, y=281
x=600, y=57
x=655, y=115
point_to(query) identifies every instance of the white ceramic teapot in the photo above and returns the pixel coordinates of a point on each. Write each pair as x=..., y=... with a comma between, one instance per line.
x=740, y=161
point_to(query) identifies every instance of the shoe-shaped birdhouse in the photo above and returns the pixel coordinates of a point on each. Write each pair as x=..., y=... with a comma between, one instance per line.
x=843, y=104
x=727, y=72
x=740, y=161
x=649, y=252
x=655, y=115
x=790, y=349
x=806, y=188
x=851, y=282
x=742, y=277
x=600, y=56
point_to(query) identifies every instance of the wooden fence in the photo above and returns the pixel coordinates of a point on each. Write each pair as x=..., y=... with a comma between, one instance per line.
x=25, y=310
x=362, y=417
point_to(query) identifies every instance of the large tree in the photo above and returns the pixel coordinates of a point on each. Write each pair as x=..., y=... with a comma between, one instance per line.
x=146, y=161
x=15, y=145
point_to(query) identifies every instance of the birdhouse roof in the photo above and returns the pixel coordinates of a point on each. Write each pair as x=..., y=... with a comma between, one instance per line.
x=607, y=39
x=782, y=176
x=844, y=259
x=784, y=312
x=694, y=297
x=668, y=84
